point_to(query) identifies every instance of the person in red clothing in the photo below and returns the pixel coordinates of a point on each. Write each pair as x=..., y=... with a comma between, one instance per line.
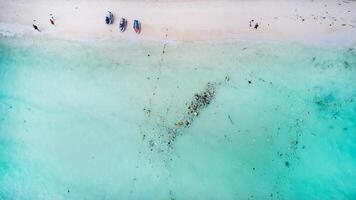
x=51, y=19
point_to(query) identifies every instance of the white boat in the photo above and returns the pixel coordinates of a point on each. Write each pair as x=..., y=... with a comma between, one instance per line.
x=109, y=18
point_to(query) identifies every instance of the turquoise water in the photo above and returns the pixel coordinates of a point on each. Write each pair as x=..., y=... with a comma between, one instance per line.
x=97, y=121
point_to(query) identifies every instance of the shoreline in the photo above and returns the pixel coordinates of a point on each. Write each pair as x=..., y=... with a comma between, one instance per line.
x=222, y=21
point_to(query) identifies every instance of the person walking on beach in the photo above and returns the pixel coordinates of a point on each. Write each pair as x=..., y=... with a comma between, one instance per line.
x=35, y=26
x=256, y=26
x=251, y=22
x=51, y=19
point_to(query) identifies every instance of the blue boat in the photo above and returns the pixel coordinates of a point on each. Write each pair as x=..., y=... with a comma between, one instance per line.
x=123, y=24
x=137, y=26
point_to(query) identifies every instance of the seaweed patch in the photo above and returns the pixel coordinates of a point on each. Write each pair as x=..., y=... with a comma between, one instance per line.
x=199, y=102
x=163, y=136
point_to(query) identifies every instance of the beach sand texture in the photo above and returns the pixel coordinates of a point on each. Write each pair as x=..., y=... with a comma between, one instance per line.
x=331, y=22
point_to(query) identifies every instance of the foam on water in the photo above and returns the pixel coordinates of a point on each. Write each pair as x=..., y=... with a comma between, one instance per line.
x=96, y=121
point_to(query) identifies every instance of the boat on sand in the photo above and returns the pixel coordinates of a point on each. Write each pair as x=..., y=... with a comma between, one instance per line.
x=109, y=18
x=137, y=26
x=123, y=24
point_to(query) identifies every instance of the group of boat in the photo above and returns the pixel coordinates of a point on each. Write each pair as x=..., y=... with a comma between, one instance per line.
x=109, y=19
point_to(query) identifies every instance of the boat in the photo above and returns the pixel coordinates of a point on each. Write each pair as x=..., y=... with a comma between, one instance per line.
x=109, y=18
x=137, y=26
x=123, y=24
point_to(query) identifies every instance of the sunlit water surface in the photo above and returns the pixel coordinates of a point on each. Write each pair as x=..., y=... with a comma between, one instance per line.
x=95, y=121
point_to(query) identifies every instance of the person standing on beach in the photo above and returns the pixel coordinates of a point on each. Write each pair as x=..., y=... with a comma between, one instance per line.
x=251, y=22
x=35, y=26
x=51, y=19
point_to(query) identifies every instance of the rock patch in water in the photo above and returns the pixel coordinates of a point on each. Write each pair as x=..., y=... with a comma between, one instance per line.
x=200, y=101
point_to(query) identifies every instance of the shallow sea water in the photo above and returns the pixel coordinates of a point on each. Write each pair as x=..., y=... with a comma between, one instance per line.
x=95, y=121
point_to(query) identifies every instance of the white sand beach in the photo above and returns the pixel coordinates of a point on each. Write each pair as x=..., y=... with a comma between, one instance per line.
x=328, y=22
x=199, y=105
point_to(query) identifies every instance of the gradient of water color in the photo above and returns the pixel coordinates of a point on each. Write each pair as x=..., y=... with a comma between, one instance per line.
x=92, y=121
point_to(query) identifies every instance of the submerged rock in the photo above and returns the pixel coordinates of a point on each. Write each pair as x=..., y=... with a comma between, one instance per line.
x=199, y=102
x=164, y=141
